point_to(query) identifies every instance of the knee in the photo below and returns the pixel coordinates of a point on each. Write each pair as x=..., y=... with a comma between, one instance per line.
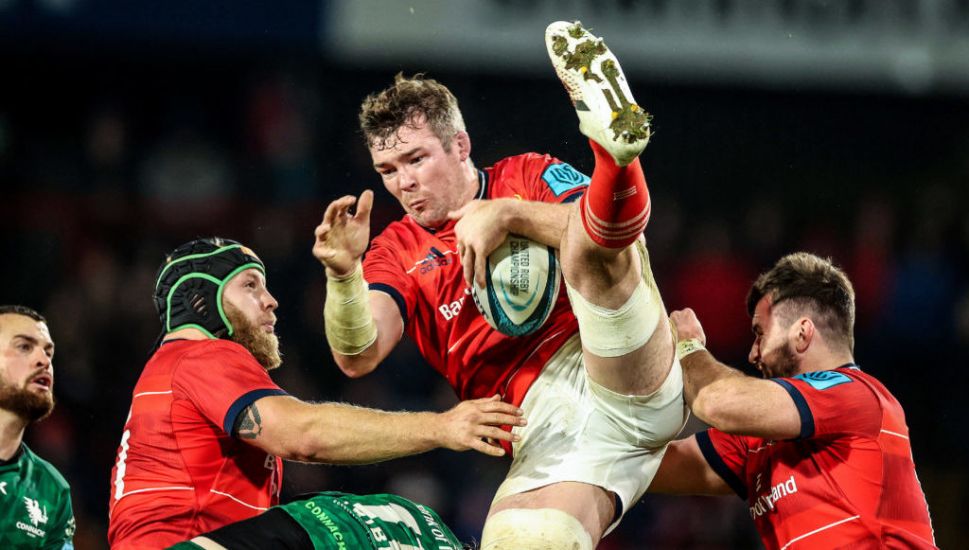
x=534, y=529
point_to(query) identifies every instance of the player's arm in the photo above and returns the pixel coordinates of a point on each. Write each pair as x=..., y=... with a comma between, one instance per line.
x=484, y=224
x=724, y=397
x=335, y=433
x=362, y=327
x=544, y=222
x=684, y=471
x=346, y=333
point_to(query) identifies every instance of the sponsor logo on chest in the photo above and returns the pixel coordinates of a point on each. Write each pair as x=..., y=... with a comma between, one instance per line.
x=767, y=502
x=451, y=310
x=36, y=515
x=432, y=261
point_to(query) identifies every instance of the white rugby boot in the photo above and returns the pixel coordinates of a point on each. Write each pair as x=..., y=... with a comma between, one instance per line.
x=608, y=114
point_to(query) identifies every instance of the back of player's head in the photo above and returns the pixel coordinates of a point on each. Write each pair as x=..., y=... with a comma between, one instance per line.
x=191, y=280
x=410, y=102
x=810, y=286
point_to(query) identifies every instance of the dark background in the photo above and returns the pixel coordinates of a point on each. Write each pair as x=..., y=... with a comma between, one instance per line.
x=127, y=130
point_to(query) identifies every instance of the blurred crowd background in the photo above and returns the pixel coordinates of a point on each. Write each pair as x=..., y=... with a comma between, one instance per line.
x=127, y=129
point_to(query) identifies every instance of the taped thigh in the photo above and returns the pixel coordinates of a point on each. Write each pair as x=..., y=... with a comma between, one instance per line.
x=534, y=529
x=616, y=332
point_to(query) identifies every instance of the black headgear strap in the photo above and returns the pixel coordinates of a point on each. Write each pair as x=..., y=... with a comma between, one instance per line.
x=189, y=287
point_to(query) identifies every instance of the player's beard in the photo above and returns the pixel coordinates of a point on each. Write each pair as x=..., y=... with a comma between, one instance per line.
x=29, y=405
x=783, y=364
x=264, y=346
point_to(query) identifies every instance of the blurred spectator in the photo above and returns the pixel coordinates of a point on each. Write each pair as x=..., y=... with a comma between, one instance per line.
x=713, y=279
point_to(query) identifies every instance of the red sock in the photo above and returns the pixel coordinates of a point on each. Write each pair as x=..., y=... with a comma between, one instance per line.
x=615, y=208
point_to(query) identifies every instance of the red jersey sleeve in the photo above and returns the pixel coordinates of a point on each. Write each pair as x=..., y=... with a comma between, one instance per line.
x=383, y=272
x=547, y=179
x=832, y=403
x=727, y=455
x=221, y=381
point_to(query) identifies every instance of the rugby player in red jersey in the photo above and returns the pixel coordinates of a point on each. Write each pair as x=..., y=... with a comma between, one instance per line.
x=819, y=449
x=207, y=429
x=602, y=408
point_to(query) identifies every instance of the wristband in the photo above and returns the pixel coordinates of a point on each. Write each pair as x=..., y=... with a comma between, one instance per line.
x=688, y=346
x=348, y=321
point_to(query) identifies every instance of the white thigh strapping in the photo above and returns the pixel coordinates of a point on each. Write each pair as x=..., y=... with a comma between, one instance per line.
x=616, y=332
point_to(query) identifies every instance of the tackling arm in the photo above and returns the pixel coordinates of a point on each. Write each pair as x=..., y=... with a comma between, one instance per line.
x=735, y=403
x=725, y=398
x=335, y=433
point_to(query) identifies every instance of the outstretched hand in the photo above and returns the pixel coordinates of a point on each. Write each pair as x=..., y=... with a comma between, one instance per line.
x=686, y=326
x=342, y=237
x=479, y=231
x=475, y=424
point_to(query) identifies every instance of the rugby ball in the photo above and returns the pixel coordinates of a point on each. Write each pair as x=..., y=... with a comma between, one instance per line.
x=521, y=286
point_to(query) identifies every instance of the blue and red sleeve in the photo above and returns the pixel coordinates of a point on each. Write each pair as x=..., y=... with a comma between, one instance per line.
x=381, y=269
x=727, y=456
x=832, y=403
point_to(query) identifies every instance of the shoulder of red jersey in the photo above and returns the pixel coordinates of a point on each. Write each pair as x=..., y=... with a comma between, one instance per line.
x=837, y=401
x=199, y=349
x=216, y=351
x=401, y=232
x=534, y=176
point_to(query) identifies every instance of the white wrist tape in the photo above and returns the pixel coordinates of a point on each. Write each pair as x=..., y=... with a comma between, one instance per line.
x=688, y=346
x=348, y=321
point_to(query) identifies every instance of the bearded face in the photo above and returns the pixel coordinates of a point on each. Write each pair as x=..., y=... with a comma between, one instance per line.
x=773, y=350
x=26, y=369
x=780, y=362
x=262, y=344
x=24, y=402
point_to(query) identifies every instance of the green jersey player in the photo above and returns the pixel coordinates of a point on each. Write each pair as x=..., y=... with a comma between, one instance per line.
x=335, y=521
x=35, y=500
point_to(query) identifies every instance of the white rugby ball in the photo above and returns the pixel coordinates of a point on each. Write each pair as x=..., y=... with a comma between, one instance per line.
x=521, y=286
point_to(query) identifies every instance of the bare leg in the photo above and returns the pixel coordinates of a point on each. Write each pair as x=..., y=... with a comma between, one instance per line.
x=592, y=506
x=626, y=341
x=607, y=278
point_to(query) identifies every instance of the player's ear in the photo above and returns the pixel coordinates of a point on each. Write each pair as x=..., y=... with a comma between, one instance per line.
x=804, y=334
x=462, y=141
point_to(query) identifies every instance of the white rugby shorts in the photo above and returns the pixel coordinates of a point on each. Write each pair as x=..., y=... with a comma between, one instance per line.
x=579, y=431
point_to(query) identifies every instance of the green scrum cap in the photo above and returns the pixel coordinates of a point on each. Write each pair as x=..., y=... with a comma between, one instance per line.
x=189, y=287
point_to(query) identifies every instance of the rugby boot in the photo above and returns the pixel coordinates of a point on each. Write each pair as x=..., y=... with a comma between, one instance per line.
x=591, y=74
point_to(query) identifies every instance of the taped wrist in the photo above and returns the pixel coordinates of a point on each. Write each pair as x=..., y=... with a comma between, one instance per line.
x=348, y=321
x=688, y=346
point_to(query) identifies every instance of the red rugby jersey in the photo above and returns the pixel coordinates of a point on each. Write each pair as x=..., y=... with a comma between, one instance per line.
x=847, y=480
x=421, y=270
x=178, y=472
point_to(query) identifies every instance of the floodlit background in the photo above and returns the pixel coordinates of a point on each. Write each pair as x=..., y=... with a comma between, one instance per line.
x=840, y=127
